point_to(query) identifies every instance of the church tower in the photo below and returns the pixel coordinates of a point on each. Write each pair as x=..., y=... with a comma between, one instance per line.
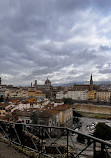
x=91, y=83
x=35, y=85
x=0, y=80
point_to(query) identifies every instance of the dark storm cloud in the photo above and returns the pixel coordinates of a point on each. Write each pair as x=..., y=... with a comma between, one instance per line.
x=62, y=40
x=105, y=71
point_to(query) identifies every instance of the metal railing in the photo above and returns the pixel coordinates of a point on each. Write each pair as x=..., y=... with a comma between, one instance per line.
x=54, y=141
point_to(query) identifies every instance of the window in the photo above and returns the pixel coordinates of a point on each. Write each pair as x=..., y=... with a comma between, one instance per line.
x=27, y=121
x=41, y=123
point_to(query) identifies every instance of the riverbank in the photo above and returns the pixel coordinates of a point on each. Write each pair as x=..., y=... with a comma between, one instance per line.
x=93, y=111
x=95, y=115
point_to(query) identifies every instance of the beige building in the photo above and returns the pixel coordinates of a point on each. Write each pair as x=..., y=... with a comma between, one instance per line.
x=65, y=117
x=2, y=91
x=103, y=95
x=16, y=93
x=51, y=115
x=36, y=94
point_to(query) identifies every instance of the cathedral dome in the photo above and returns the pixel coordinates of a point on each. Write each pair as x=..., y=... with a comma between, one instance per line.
x=47, y=82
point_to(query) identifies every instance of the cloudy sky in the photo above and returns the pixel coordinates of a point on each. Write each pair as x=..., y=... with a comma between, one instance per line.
x=63, y=40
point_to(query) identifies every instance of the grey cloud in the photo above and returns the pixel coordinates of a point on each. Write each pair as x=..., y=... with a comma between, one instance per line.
x=105, y=71
x=105, y=48
x=26, y=26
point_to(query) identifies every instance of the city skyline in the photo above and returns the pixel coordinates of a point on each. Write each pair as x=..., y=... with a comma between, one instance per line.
x=64, y=41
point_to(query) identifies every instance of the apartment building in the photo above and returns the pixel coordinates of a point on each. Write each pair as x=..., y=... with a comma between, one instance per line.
x=76, y=95
x=103, y=95
x=92, y=95
x=3, y=111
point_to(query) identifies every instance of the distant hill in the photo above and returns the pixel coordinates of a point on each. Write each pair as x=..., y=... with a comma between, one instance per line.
x=84, y=83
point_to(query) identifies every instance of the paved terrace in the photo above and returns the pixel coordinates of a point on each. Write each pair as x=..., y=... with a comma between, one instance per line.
x=6, y=151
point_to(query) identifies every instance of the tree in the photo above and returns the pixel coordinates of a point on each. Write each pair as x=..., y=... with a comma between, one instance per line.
x=1, y=98
x=69, y=101
x=34, y=117
x=95, y=87
x=76, y=114
x=110, y=99
x=102, y=131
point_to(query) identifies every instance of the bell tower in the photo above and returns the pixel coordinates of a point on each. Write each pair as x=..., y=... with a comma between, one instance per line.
x=91, y=83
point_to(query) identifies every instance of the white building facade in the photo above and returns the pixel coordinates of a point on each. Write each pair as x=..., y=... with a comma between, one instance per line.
x=76, y=95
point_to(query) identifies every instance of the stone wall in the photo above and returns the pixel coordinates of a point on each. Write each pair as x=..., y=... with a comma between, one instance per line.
x=93, y=108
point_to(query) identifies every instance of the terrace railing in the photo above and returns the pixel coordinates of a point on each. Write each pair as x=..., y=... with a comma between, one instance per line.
x=54, y=141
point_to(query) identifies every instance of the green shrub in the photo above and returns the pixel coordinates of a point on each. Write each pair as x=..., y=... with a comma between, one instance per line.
x=102, y=131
